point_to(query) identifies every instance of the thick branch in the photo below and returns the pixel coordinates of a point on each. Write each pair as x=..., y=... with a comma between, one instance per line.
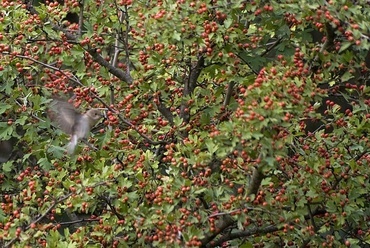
x=256, y=230
x=189, y=87
x=229, y=92
x=193, y=77
x=255, y=181
x=246, y=233
x=115, y=71
x=80, y=18
x=225, y=222
x=165, y=112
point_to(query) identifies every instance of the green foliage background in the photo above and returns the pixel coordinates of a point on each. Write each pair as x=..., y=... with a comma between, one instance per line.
x=228, y=123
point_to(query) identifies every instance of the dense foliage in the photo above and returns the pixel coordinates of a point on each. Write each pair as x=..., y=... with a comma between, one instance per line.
x=228, y=123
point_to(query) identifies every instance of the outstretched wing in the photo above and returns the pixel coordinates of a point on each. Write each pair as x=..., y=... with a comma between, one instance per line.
x=63, y=114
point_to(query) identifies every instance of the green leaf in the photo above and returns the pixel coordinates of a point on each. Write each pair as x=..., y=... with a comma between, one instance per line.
x=6, y=131
x=228, y=22
x=176, y=36
x=22, y=120
x=211, y=147
x=6, y=87
x=56, y=151
x=246, y=245
x=4, y=107
x=266, y=181
x=45, y=163
x=345, y=45
x=346, y=76
x=331, y=207
x=270, y=161
x=7, y=166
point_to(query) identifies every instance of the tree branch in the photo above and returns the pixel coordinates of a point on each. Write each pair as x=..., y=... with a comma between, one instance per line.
x=69, y=223
x=255, y=231
x=165, y=111
x=226, y=222
x=81, y=18
x=40, y=217
x=229, y=92
x=128, y=123
x=246, y=233
x=189, y=86
x=126, y=77
x=255, y=181
x=73, y=79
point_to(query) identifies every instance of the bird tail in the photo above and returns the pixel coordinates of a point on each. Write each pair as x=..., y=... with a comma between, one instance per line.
x=72, y=144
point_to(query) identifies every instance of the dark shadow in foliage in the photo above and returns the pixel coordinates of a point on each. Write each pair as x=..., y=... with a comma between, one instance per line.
x=71, y=17
x=6, y=149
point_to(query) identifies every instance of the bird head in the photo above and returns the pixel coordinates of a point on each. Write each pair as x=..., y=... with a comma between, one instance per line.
x=94, y=114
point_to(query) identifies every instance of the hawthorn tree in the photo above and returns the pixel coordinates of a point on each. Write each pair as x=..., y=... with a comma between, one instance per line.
x=228, y=123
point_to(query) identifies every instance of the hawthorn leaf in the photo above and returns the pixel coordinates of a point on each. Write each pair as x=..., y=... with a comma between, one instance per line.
x=7, y=166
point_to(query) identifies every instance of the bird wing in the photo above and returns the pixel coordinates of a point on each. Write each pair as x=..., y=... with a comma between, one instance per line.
x=64, y=115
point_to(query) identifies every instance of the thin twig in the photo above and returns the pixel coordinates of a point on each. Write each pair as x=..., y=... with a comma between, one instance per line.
x=74, y=79
x=117, y=50
x=149, y=140
x=238, y=210
x=68, y=223
x=128, y=64
x=40, y=217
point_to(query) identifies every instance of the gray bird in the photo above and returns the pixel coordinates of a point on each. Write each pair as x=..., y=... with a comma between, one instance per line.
x=69, y=120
